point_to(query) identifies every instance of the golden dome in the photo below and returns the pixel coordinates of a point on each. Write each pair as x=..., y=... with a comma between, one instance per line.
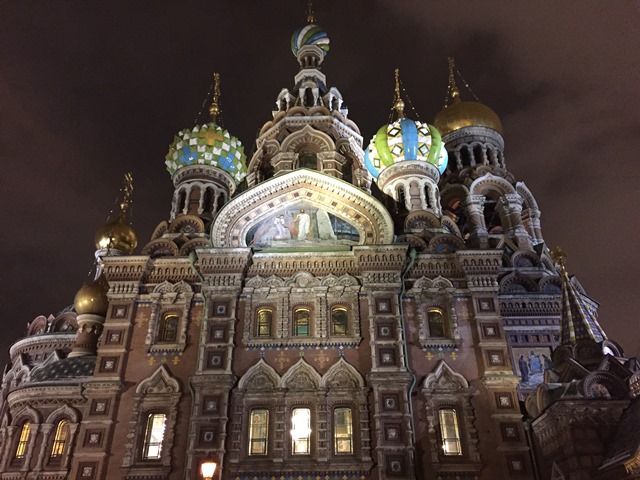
x=461, y=114
x=118, y=236
x=92, y=298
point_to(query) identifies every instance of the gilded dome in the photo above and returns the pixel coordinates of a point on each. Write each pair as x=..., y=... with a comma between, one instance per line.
x=310, y=35
x=461, y=114
x=402, y=140
x=92, y=298
x=208, y=144
x=117, y=235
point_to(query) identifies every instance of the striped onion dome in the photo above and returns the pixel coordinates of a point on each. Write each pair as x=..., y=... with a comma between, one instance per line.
x=309, y=35
x=208, y=144
x=402, y=140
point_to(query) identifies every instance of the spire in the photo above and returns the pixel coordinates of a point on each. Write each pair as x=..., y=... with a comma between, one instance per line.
x=453, y=93
x=125, y=204
x=214, y=109
x=398, y=104
x=576, y=322
x=311, y=18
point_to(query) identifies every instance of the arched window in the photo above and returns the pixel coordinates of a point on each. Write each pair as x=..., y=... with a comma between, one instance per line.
x=301, y=431
x=449, y=432
x=343, y=431
x=308, y=160
x=401, y=205
x=23, y=441
x=427, y=196
x=263, y=325
x=153, y=436
x=168, y=328
x=259, y=431
x=435, y=318
x=301, y=322
x=60, y=440
x=339, y=321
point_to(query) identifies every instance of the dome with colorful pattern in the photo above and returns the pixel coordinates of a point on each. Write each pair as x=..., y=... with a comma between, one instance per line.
x=310, y=35
x=402, y=140
x=208, y=144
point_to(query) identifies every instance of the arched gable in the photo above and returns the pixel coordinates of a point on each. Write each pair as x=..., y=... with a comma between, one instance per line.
x=161, y=381
x=27, y=413
x=65, y=411
x=491, y=183
x=301, y=376
x=306, y=136
x=298, y=190
x=260, y=376
x=342, y=375
x=525, y=193
x=444, y=379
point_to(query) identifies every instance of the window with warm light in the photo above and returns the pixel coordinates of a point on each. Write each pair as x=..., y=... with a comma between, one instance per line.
x=301, y=322
x=60, y=439
x=23, y=441
x=265, y=317
x=449, y=432
x=259, y=431
x=339, y=321
x=154, y=434
x=435, y=318
x=301, y=431
x=343, y=431
x=168, y=328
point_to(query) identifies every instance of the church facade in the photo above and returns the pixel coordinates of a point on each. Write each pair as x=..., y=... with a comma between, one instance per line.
x=326, y=309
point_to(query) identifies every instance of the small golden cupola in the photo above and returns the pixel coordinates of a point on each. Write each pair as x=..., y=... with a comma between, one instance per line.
x=119, y=237
x=91, y=298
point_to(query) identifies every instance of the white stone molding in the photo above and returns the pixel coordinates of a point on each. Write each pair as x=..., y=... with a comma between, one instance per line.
x=301, y=377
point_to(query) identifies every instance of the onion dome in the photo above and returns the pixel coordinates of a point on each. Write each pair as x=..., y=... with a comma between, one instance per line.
x=119, y=235
x=458, y=114
x=92, y=298
x=208, y=144
x=402, y=140
x=310, y=35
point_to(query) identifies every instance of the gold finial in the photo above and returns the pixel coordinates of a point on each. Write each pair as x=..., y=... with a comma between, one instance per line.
x=453, y=88
x=398, y=103
x=214, y=109
x=560, y=257
x=127, y=191
x=311, y=18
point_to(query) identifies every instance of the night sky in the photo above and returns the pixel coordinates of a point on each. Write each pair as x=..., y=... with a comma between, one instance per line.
x=89, y=90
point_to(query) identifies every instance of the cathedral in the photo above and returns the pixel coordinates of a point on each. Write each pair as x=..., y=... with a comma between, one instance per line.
x=335, y=305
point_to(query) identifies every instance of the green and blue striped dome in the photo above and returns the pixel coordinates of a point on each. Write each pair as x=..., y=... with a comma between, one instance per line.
x=207, y=145
x=403, y=140
x=310, y=35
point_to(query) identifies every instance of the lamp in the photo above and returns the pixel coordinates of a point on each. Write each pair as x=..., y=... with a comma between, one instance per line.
x=207, y=469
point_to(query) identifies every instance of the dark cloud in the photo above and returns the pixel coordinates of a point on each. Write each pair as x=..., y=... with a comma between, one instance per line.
x=92, y=89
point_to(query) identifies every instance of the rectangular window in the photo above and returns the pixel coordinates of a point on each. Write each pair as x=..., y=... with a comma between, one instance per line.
x=265, y=317
x=169, y=328
x=301, y=322
x=258, y=431
x=301, y=431
x=436, y=323
x=339, y=321
x=23, y=442
x=450, y=432
x=154, y=435
x=343, y=431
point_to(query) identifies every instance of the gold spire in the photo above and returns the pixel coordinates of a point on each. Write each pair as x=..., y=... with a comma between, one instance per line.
x=127, y=191
x=311, y=18
x=560, y=257
x=453, y=91
x=398, y=104
x=214, y=109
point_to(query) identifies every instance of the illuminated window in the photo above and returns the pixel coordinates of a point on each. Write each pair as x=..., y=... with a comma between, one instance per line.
x=265, y=317
x=153, y=436
x=301, y=431
x=436, y=322
x=23, y=442
x=343, y=431
x=258, y=431
x=60, y=439
x=449, y=432
x=168, y=328
x=339, y=321
x=301, y=322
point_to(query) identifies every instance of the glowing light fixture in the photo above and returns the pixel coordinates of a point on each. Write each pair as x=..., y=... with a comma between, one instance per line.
x=207, y=469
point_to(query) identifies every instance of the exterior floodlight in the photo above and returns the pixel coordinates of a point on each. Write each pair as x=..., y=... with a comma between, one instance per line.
x=207, y=469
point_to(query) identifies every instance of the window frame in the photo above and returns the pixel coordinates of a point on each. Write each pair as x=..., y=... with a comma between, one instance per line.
x=307, y=438
x=295, y=325
x=148, y=432
x=443, y=322
x=333, y=321
x=337, y=437
x=444, y=431
x=259, y=323
x=22, y=444
x=264, y=440
x=162, y=328
x=60, y=443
